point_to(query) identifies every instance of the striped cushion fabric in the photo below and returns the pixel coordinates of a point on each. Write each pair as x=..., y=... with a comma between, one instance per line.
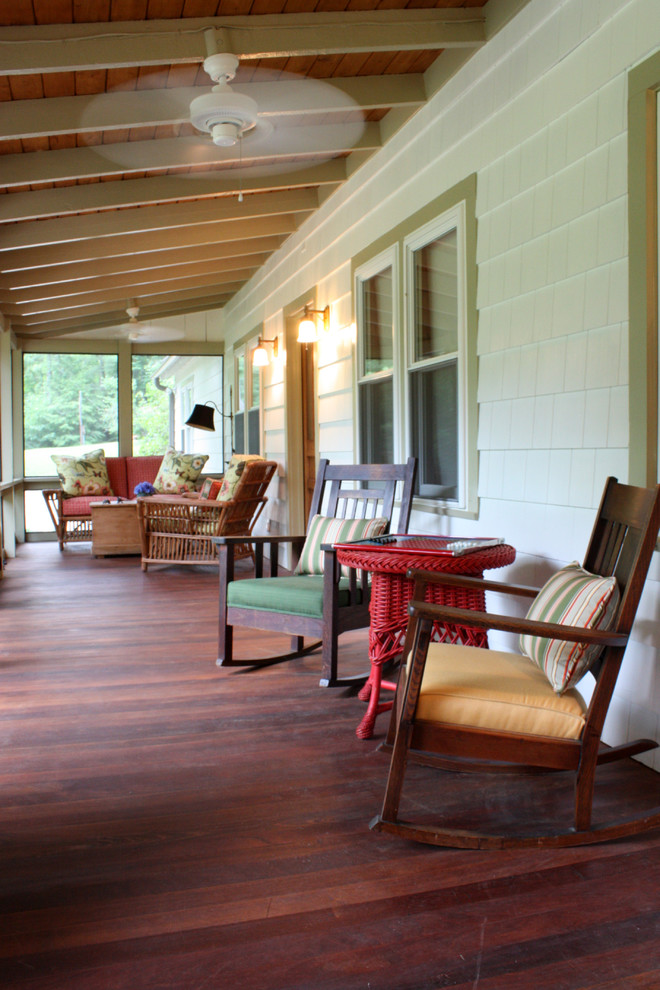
x=327, y=529
x=571, y=597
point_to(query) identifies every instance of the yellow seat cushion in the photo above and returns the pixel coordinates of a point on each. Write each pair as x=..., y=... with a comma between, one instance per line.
x=489, y=689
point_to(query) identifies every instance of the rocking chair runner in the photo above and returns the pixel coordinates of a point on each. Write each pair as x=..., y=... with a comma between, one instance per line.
x=469, y=709
x=322, y=605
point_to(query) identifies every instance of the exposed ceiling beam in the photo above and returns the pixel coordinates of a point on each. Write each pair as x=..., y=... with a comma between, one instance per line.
x=159, y=189
x=152, y=218
x=121, y=246
x=69, y=327
x=130, y=282
x=101, y=310
x=154, y=107
x=132, y=265
x=104, y=295
x=56, y=48
x=181, y=152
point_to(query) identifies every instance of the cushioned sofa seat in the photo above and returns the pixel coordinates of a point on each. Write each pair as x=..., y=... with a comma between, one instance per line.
x=301, y=595
x=124, y=474
x=72, y=515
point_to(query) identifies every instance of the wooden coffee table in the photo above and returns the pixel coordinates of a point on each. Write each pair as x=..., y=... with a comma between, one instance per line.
x=115, y=528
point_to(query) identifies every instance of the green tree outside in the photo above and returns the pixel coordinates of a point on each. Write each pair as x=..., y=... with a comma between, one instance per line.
x=70, y=405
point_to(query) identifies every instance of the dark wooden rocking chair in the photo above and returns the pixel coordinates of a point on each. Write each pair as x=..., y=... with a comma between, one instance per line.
x=320, y=605
x=445, y=712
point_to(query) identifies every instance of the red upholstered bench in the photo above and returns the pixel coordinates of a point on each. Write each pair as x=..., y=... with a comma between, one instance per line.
x=72, y=515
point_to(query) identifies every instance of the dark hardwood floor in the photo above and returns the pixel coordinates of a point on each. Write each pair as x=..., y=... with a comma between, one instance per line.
x=168, y=824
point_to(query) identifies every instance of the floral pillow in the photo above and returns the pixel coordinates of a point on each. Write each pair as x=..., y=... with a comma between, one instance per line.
x=85, y=475
x=233, y=473
x=178, y=472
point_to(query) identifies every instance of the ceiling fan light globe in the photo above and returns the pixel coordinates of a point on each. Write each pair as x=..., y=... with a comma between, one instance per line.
x=224, y=114
x=225, y=135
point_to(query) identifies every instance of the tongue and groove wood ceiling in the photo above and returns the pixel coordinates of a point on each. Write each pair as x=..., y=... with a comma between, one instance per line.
x=111, y=197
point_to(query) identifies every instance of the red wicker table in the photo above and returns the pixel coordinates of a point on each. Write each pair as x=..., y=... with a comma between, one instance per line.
x=391, y=592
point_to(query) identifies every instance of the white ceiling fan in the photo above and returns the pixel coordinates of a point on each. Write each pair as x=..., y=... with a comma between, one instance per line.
x=134, y=329
x=262, y=135
x=225, y=114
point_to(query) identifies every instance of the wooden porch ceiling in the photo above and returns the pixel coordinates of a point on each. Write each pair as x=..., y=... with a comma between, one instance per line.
x=109, y=192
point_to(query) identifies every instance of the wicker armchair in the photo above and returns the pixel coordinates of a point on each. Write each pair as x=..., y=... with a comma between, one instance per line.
x=180, y=529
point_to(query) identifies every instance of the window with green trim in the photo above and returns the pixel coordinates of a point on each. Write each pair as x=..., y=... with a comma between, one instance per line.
x=416, y=318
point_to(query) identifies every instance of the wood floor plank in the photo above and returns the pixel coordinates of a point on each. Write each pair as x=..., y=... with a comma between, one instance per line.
x=166, y=824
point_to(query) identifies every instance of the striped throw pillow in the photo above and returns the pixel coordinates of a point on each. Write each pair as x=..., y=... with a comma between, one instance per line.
x=571, y=597
x=327, y=529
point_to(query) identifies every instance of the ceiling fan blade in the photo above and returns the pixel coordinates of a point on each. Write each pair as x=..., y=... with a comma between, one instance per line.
x=139, y=333
x=298, y=117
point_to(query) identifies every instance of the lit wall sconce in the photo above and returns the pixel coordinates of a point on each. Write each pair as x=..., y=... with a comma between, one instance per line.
x=307, y=332
x=260, y=357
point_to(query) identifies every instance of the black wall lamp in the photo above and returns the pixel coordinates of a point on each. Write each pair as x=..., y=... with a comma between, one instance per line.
x=201, y=418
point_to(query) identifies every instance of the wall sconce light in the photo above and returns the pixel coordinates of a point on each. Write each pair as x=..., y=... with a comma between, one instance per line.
x=260, y=357
x=307, y=332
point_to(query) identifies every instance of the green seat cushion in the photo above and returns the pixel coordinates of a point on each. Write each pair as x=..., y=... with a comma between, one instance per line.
x=298, y=595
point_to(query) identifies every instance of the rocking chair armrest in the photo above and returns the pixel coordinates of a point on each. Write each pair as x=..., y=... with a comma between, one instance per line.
x=465, y=581
x=515, y=624
x=264, y=540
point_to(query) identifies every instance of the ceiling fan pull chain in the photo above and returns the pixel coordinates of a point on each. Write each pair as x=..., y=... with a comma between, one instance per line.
x=240, y=168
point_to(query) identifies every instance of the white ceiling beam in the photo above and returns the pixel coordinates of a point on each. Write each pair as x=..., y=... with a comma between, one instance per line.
x=223, y=231
x=134, y=265
x=117, y=314
x=125, y=43
x=43, y=328
x=21, y=119
x=41, y=203
x=131, y=282
x=104, y=295
x=151, y=218
x=123, y=158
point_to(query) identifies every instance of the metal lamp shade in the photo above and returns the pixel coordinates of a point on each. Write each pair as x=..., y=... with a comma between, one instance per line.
x=201, y=418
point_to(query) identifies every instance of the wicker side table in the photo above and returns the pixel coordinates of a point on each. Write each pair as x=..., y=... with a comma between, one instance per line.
x=390, y=594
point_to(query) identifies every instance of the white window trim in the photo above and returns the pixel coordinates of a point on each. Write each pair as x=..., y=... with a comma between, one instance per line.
x=454, y=218
x=389, y=258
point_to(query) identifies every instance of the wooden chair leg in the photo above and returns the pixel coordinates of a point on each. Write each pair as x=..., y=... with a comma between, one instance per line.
x=420, y=637
x=329, y=660
x=225, y=631
x=297, y=644
x=584, y=784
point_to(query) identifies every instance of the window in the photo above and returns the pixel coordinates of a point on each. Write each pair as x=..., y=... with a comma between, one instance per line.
x=375, y=307
x=254, y=429
x=247, y=422
x=416, y=316
x=436, y=355
x=69, y=407
x=165, y=389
